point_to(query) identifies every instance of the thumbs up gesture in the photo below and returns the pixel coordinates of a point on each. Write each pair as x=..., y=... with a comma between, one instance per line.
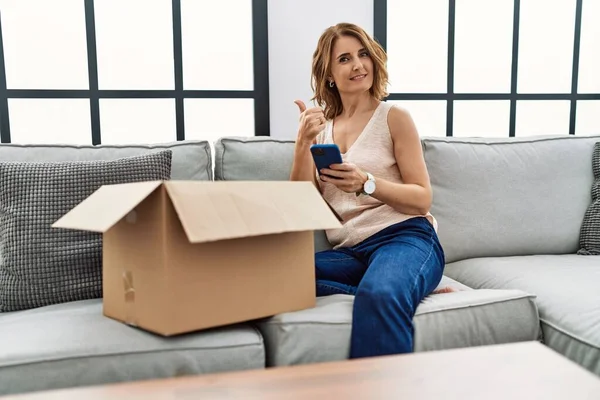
x=312, y=122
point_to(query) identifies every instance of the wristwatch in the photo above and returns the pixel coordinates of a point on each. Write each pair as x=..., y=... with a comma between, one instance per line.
x=369, y=186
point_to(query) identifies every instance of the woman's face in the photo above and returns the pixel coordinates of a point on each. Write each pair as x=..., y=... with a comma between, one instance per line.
x=351, y=66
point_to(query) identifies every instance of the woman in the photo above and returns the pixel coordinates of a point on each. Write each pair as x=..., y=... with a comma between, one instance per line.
x=387, y=252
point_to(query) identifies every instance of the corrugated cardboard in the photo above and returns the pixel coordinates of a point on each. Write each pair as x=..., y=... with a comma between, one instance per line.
x=180, y=256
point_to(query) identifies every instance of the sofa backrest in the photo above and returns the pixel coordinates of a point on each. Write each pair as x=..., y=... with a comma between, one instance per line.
x=258, y=158
x=508, y=197
x=492, y=197
x=192, y=159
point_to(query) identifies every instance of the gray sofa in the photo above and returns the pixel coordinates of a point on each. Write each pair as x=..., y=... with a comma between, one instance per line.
x=509, y=212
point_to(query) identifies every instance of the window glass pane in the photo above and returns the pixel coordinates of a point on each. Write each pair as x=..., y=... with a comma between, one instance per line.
x=44, y=44
x=210, y=119
x=124, y=121
x=587, y=121
x=217, y=45
x=589, y=50
x=429, y=115
x=546, y=46
x=135, y=44
x=483, y=46
x=543, y=117
x=417, y=45
x=63, y=121
x=487, y=118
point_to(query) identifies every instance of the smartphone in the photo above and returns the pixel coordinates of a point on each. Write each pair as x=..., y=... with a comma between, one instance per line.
x=325, y=154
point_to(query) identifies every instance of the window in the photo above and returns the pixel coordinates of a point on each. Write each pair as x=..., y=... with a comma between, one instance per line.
x=113, y=71
x=494, y=68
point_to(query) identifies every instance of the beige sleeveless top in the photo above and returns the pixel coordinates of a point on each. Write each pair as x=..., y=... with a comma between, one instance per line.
x=373, y=152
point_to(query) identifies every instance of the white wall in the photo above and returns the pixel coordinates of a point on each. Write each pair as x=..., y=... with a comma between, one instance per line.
x=294, y=28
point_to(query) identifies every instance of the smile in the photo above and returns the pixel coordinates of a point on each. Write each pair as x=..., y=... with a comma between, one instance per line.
x=358, y=77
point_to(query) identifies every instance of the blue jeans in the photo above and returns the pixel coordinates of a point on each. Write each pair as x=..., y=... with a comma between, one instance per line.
x=389, y=274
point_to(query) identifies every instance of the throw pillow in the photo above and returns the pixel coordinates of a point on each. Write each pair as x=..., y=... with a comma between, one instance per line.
x=41, y=265
x=589, y=238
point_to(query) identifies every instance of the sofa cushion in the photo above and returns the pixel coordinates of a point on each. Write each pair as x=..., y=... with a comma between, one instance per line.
x=191, y=158
x=41, y=265
x=589, y=239
x=73, y=344
x=567, y=294
x=253, y=158
x=502, y=197
x=258, y=158
x=443, y=321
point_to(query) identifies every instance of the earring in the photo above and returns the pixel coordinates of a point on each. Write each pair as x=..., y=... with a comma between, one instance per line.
x=331, y=84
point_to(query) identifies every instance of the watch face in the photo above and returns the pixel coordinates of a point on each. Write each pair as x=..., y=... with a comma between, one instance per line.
x=369, y=187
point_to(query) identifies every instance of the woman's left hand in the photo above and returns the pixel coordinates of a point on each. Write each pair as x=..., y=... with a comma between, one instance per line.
x=346, y=176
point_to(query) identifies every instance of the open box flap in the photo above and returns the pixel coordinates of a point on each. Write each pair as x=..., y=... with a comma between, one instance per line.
x=211, y=211
x=106, y=206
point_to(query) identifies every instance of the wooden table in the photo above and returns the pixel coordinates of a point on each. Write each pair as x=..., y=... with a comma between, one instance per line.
x=516, y=371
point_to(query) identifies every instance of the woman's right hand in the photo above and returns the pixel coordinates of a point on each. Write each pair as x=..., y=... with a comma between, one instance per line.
x=312, y=122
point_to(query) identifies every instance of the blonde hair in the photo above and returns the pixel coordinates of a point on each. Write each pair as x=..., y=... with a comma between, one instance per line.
x=329, y=97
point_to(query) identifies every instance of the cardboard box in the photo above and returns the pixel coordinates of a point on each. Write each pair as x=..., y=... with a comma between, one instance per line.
x=181, y=256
